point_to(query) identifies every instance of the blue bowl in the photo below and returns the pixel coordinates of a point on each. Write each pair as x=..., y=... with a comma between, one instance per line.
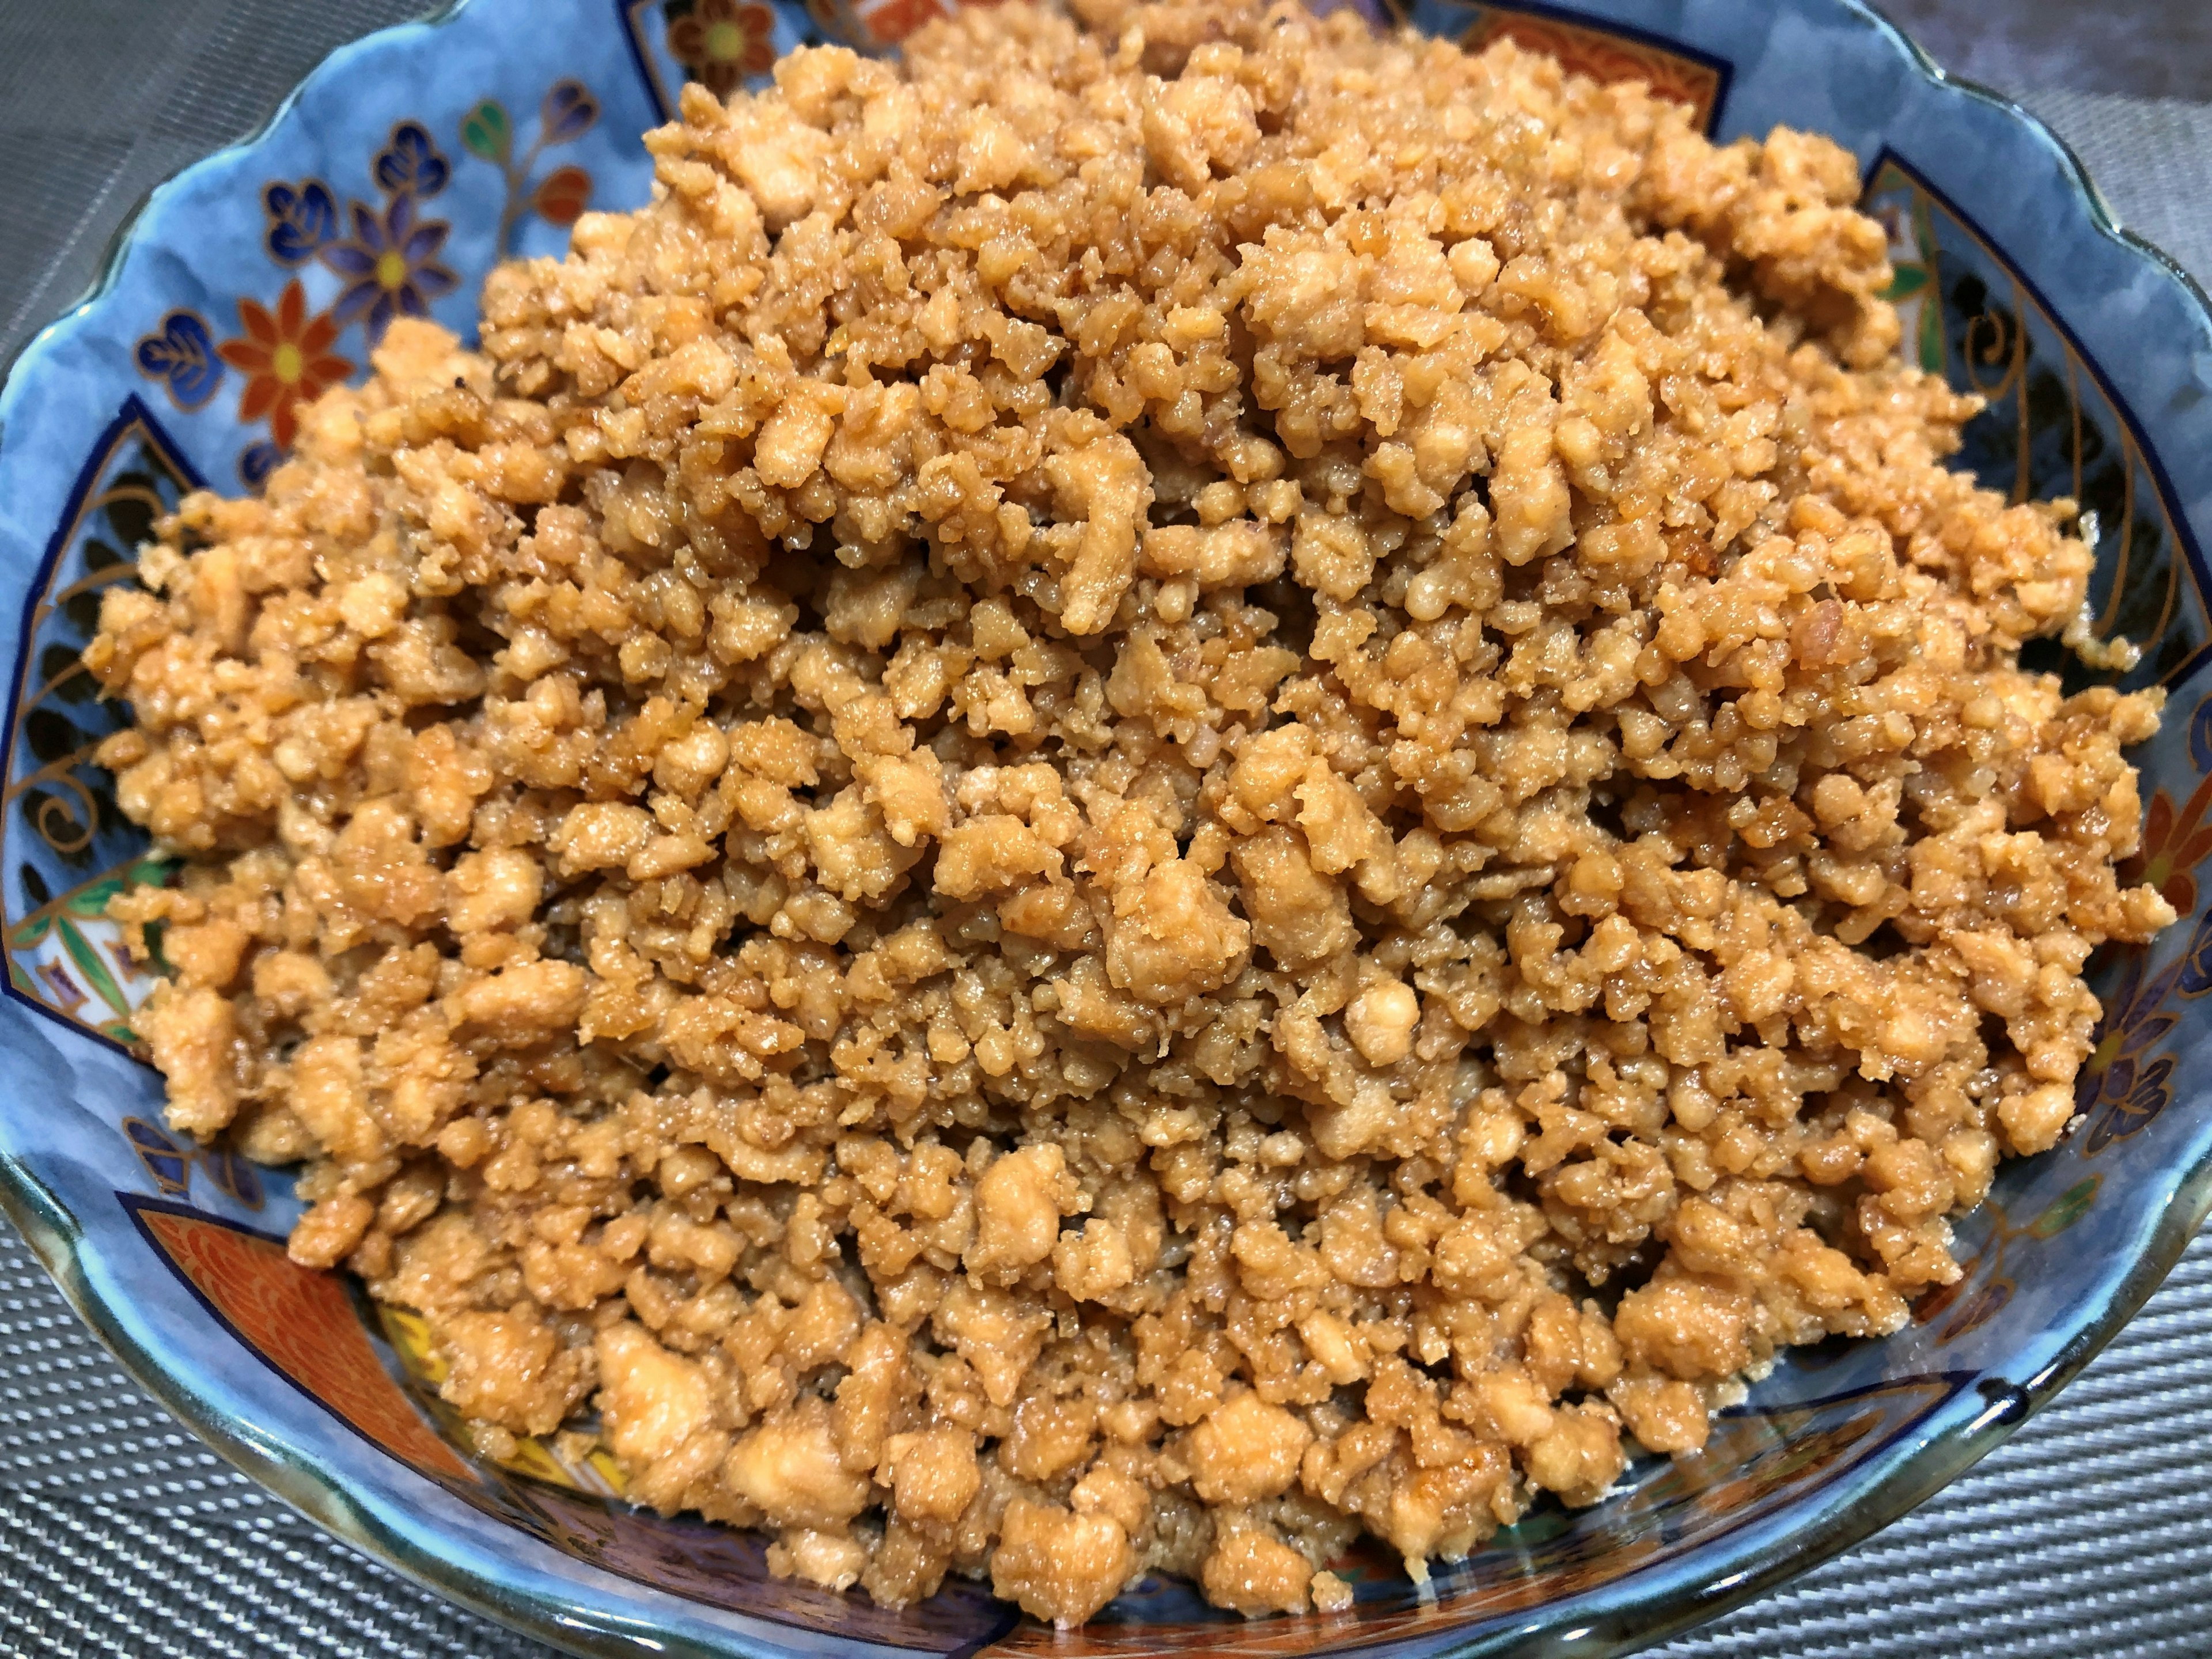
x=393, y=180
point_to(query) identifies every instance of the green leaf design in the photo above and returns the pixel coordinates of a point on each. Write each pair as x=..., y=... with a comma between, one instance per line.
x=487, y=133
x=1907, y=281
x=1932, y=335
x=92, y=900
x=2069, y=1207
x=89, y=962
x=153, y=872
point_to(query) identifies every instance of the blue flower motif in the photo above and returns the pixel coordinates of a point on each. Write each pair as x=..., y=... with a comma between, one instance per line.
x=182, y=355
x=2200, y=736
x=2196, y=966
x=170, y=1164
x=2123, y=1085
x=2133, y=1093
x=390, y=266
x=301, y=218
x=257, y=461
x=568, y=113
x=410, y=165
x=235, y=1174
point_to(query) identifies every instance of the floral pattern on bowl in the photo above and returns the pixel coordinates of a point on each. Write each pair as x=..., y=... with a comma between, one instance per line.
x=389, y=185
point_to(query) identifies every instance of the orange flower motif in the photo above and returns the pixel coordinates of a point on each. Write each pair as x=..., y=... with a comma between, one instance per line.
x=723, y=42
x=2174, y=845
x=286, y=358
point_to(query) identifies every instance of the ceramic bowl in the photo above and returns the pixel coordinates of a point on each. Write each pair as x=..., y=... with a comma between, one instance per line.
x=390, y=183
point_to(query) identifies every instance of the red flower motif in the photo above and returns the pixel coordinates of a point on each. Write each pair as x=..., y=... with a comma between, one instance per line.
x=891, y=21
x=722, y=43
x=561, y=200
x=2174, y=845
x=287, y=359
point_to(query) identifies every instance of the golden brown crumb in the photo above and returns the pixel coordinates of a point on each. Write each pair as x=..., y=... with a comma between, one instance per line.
x=1040, y=822
x=1330, y=1593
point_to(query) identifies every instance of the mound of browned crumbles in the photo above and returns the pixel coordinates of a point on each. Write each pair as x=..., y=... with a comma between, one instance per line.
x=1148, y=790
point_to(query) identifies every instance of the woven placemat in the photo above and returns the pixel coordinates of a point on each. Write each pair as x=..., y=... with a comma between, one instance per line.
x=2089, y=1532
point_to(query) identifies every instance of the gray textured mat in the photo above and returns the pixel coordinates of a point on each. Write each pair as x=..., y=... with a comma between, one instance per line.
x=2089, y=1533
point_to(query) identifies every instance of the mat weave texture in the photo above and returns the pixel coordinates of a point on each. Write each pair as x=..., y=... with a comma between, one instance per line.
x=2089, y=1532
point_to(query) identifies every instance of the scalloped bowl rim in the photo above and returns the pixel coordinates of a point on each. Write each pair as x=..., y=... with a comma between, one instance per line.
x=1613, y=1619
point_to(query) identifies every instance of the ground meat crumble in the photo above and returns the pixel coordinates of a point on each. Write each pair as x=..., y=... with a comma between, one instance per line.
x=1163, y=785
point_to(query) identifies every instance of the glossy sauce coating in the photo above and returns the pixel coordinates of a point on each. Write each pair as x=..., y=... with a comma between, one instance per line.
x=1149, y=790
